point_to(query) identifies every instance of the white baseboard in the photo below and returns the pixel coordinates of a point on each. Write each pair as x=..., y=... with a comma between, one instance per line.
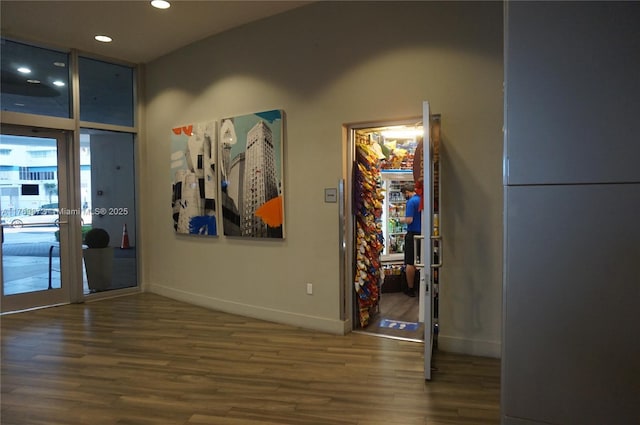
x=469, y=346
x=257, y=312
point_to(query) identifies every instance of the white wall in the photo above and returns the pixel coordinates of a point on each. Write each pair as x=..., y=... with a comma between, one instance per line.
x=328, y=64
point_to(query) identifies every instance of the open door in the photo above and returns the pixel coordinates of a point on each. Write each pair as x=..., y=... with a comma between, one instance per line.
x=364, y=253
x=429, y=255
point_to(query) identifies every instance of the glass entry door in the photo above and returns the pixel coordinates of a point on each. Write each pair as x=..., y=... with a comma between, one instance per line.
x=428, y=171
x=36, y=219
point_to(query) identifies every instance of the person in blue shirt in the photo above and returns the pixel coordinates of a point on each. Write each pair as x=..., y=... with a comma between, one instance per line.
x=413, y=219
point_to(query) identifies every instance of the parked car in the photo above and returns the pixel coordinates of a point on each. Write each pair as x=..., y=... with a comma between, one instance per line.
x=43, y=216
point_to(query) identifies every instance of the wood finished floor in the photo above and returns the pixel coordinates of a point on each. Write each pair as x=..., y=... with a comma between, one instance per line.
x=149, y=360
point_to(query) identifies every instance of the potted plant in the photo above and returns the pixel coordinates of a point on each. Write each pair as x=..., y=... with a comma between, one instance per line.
x=98, y=259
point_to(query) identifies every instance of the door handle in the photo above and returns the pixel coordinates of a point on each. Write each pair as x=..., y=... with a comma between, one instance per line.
x=417, y=260
x=440, y=250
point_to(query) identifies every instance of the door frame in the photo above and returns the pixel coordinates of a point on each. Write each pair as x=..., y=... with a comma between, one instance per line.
x=347, y=217
x=69, y=228
x=347, y=226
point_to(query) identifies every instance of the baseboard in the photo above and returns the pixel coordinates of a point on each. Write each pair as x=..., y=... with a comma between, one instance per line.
x=469, y=346
x=509, y=420
x=348, y=326
x=257, y=312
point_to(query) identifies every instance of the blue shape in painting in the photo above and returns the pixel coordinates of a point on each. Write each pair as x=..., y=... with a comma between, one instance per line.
x=270, y=116
x=203, y=225
x=398, y=324
x=195, y=181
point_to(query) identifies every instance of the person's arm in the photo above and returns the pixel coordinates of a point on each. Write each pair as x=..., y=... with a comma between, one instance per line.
x=407, y=220
x=410, y=211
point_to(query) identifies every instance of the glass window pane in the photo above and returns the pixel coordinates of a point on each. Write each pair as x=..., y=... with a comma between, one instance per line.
x=30, y=214
x=107, y=189
x=35, y=80
x=106, y=92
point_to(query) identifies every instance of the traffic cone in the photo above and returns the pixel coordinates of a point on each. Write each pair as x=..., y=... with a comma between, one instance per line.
x=125, y=238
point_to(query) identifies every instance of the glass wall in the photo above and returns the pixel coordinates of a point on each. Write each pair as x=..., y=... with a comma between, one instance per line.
x=107, y=190
x=30, y=219
x=106, y=92
x=35, y=80
x=36, y=85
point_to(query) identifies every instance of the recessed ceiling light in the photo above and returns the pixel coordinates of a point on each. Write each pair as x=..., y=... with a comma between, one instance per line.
x=24, y=70
x=60, y=64
x=33, y=81
x=161, y=4
x=58, y=83
x=103, y=38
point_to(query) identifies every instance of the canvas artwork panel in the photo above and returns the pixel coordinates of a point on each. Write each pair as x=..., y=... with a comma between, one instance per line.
x=251, y=172
x=194, y=198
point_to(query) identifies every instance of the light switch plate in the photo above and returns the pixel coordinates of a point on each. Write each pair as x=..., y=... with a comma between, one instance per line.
x=331, y=195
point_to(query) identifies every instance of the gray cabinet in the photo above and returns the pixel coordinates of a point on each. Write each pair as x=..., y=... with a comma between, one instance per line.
x=571, y=302
x=572, y=92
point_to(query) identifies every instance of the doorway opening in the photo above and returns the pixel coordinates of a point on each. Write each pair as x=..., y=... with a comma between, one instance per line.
x=382, y=165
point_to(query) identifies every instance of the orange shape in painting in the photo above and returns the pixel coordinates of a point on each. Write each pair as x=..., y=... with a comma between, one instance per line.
x=271, y=212
x=187, y=130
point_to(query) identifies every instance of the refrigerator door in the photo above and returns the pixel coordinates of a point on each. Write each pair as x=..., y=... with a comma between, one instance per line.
x=394, y=207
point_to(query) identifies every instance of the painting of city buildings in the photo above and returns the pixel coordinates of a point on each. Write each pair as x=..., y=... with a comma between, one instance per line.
x=195, y=179
x=251, y=175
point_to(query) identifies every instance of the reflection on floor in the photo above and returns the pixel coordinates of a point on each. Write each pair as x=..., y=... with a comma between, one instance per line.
x=398, y=317
x=28, y=268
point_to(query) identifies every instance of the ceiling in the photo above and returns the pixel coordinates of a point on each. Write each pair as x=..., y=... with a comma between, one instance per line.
x=140, y=33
